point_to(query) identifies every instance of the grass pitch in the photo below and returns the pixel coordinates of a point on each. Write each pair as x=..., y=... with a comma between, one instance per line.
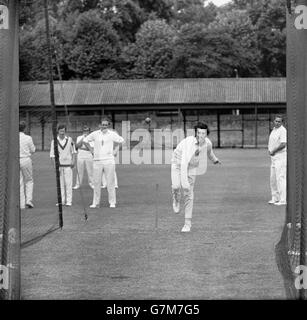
x=120, y=254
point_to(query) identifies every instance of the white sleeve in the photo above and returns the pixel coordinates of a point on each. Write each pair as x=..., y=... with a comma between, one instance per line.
x=31, y=145
x=52, y=149
x=283, y=136
x=90, y=137
x=210, y=152
x=185, y=158
x=117, y=138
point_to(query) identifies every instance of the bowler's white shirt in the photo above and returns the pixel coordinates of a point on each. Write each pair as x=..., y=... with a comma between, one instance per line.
x=184, y=156
x=26, y=145
x=103, y=144
x=278, y=136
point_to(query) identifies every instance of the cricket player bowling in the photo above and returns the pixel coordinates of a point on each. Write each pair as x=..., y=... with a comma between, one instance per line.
x=189, y=156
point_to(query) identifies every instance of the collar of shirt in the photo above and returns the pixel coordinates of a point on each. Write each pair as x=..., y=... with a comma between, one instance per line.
x=62, y=140
x=104, y=133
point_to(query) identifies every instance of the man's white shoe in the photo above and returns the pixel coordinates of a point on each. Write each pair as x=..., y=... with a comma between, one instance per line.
x=186, y=228
x=93, y=206
x=103, y=187
x=29, y=205
x=272, y=201
x=76, y=187
x=176, y=206
x=68, y=204
x=112, y=205
x=280, y=203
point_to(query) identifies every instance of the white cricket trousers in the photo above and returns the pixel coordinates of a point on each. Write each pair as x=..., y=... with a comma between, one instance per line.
x=81, y=165
x=26, y=181
x=104, y=180
x=99, y=167
x=278, y=177
x=66, y=184
x=188, y=197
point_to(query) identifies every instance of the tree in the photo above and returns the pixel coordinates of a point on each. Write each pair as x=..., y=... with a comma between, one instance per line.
x=193, y=11
x=89, y=45
x=33, y=51
x=237, y=24
x=153, y=50
x=271, y=34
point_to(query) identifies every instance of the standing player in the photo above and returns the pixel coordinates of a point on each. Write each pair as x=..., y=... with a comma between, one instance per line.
x=187, y=158
x=26, y=149
x=278, y=151
x=84, y=160
x=67, y=159
x=104, y=180
x=104, y=161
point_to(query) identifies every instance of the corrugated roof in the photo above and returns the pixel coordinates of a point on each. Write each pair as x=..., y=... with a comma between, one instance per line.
x=152, y=91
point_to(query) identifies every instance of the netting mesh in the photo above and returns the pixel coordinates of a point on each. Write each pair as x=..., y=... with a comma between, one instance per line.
x=9, y=168
x=290, y=251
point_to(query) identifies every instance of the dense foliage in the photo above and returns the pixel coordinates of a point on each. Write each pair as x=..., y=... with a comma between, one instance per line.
x=129, y=39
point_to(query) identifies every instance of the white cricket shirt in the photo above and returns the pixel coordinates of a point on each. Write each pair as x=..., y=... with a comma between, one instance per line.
x=26, y=145
x=278, y=136
x=103, y=144
x=184, y=156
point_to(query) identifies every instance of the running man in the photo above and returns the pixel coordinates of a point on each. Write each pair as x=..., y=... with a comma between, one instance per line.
x=26, y=149
x=84, y=160
x=278, y=151
x=104, y=161
x=187, y=158
x=67, y=159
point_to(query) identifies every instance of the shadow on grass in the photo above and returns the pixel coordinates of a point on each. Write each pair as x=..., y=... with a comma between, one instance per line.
x=38, y=238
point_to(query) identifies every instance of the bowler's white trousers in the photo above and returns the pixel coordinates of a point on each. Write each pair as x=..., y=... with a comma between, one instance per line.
x=100, y=166
x=83, y=163
x=66, y=184
x=26, y=181
x=278, y=177
x=176, y=190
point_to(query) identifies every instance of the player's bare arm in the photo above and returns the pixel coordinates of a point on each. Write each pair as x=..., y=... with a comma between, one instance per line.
x=80, y=142
x=279, y=148
x=89, y=146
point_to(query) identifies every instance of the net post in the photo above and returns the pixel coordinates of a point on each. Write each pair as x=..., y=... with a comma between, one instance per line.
x=9, y=168
x=54, y=116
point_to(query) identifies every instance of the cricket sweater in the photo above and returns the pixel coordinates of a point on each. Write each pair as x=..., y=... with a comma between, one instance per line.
x=66, y=148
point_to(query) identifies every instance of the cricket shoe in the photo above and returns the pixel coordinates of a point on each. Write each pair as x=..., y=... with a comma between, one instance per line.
x=280, y=203
x=30, y=205
x=186, y=228
x=112, y=205
x=93, y=206
x=68, y=204
x=272, y=201
x=103, y=187
x=76, y=187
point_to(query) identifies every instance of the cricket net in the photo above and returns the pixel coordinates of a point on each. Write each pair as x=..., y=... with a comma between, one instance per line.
x=291, y=249
x=9, y=151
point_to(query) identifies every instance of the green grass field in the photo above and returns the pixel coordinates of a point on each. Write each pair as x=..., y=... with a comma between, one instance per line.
x=119, y=254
